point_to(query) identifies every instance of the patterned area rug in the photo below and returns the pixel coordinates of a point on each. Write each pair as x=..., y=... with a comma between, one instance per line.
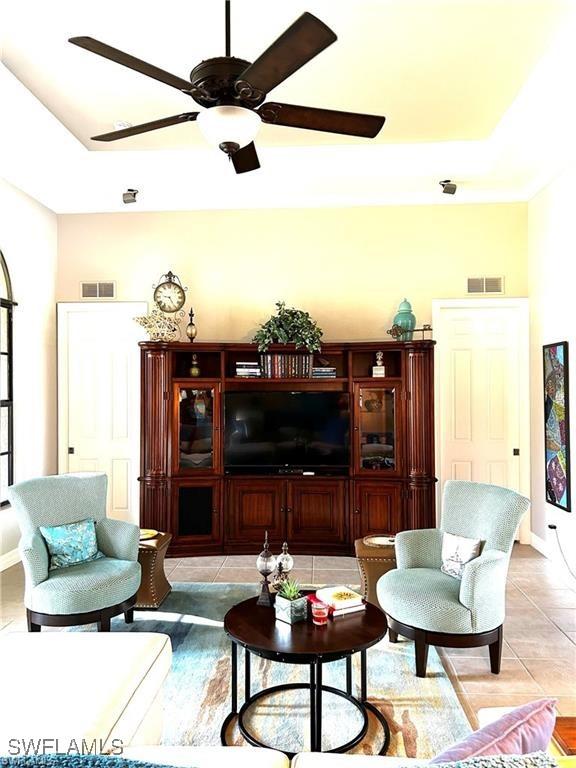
x=424, y=715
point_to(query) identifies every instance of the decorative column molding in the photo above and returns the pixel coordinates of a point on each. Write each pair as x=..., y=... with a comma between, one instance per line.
x=155, y=418
x=420, y=377
x=155, y=413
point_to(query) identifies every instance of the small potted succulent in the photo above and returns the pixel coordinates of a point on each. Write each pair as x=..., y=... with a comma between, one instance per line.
x=291, y=606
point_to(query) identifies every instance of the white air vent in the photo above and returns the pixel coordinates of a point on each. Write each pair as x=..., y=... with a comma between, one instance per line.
x=475, y=285
x=101, y=290
x=493, y=285
x=485, y=285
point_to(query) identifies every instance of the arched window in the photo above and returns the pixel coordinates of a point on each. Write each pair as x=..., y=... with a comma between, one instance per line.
x=7, y=305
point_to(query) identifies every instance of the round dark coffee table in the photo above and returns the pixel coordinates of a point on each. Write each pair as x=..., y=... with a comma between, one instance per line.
x=255, y=628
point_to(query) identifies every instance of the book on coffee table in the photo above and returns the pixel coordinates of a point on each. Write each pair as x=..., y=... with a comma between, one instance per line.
x=340, y=600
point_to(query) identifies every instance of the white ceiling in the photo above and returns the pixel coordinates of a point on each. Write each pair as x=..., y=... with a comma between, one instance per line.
x=465, y=86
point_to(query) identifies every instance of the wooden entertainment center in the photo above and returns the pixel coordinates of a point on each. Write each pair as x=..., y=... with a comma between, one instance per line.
x=388, y=484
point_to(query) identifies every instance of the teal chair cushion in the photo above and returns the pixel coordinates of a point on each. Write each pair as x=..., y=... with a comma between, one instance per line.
x=425, y=598
x=71, y=543
x=86, y=587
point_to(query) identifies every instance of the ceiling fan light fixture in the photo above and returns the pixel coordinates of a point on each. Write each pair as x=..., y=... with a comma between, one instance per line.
x=229, y=125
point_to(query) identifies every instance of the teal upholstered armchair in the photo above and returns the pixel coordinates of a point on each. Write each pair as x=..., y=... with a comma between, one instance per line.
x=432, y=608
x=87, y=592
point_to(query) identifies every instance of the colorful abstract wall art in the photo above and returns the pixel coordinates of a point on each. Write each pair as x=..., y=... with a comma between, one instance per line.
x=557, y=425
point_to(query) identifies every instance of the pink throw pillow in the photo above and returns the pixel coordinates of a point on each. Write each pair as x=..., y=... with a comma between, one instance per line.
x=526, y=729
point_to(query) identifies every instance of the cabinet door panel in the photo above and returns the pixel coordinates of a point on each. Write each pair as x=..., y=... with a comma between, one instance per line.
x=196, y=511
x=377, y=508
x=316, y=511
x=254, y=507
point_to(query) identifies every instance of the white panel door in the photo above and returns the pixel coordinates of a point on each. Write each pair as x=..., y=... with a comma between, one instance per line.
x=99, y=397
x=482, y=391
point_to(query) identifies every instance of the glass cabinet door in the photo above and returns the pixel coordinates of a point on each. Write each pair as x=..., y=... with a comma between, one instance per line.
x=376, y=448
x=196, y=429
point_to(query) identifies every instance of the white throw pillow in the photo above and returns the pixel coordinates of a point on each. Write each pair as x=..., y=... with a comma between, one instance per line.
x=456, y=552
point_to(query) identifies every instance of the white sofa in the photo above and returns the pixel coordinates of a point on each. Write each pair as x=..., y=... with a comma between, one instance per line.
x=66, y=688
x=209, y=757
x=250, y=757
x=95, y=691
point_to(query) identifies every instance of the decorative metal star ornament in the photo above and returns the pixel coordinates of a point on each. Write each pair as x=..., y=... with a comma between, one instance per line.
x=158, y=326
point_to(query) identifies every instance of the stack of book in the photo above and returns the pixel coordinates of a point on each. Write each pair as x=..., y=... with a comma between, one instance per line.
x=341, y=601
x=285, y=366
x=323, y=373
x=248, y=370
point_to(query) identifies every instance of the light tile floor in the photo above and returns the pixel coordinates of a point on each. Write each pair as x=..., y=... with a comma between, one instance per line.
x=539, y=656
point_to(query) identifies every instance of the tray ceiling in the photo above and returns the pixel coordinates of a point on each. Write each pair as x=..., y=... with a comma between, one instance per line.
x=439, y=70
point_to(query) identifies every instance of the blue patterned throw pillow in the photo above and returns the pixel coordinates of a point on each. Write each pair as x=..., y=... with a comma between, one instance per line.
x=71, y=544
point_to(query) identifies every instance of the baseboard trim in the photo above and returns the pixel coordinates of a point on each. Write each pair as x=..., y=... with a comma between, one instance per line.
x=541, y=546
x=8, y=559
x=551, y=552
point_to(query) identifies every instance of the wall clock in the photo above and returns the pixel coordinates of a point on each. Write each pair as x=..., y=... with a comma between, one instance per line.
x=169, y=294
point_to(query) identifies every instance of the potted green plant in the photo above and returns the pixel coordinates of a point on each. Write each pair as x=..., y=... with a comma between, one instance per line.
x=291, y=606
x=289, y=326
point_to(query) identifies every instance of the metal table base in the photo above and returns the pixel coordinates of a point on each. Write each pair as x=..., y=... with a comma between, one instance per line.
x=316, y=689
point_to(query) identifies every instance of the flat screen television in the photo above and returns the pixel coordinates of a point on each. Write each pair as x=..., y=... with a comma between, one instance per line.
x=286, y=431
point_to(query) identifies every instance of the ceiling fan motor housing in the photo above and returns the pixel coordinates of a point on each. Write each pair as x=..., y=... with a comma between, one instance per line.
x=214, y=84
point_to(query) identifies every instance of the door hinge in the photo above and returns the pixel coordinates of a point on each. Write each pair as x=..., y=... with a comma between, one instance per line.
x=516, y=452
x=70, y=450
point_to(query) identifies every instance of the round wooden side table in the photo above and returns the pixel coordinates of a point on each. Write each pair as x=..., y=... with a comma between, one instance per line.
x=154, y=587
x=254, y=627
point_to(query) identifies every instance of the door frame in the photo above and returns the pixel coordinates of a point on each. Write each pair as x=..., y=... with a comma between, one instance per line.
x=521, y=305
x=63, y=309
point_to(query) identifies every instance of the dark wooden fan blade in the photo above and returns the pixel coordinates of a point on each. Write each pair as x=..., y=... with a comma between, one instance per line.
x=153, y=125
x=330, y=120
x=245, y=159
x=303, y=40
x=108, y=52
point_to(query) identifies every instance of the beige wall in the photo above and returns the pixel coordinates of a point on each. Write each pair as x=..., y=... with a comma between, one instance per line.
x=349, y=267
x=28, y=240
x=552, y=246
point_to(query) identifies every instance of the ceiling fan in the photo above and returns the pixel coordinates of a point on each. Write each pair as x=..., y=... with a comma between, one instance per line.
x=233, y=91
